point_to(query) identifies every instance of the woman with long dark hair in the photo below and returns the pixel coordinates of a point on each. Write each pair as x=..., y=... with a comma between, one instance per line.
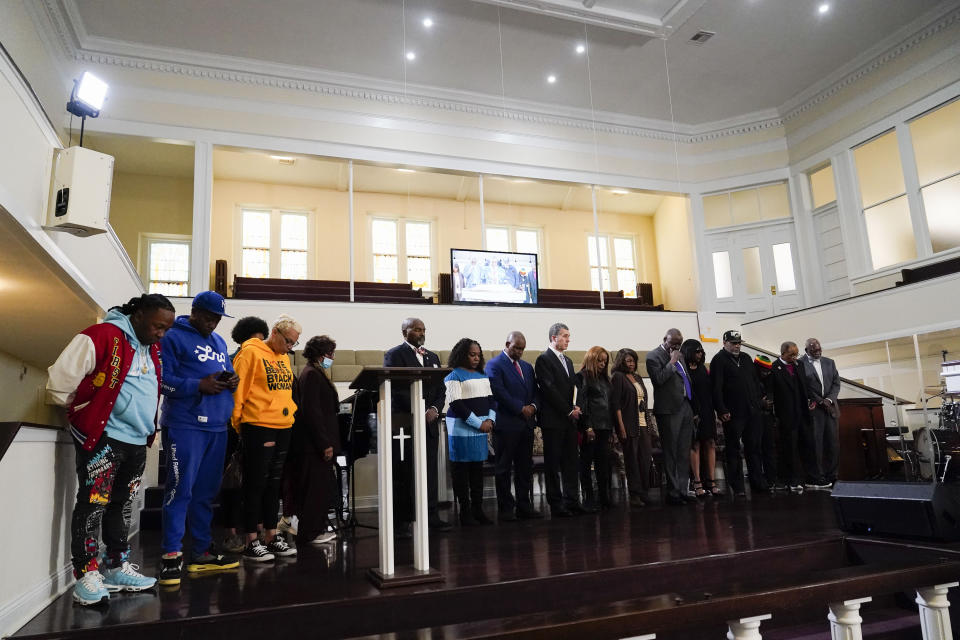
x=309, y=479
x=630, y=407
x=596, y=427
x=470, y=417
x=703, y=450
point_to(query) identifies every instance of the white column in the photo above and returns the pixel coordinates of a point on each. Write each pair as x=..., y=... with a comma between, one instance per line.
x=935, y=611
x=350, y=208
x=483, y=214
x=845, y=619
x=202, y=205
x=385, y=477
x=746, y=628
x=421, y=533
x=611, y=268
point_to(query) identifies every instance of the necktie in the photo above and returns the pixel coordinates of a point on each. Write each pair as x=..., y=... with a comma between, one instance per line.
x=686, y=381
x=519, y=370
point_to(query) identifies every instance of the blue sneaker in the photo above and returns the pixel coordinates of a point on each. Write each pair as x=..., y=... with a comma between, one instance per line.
x=127, y=578
x=90, y=590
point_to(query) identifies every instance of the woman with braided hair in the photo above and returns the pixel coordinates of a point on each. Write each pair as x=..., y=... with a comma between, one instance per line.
x=108, y=378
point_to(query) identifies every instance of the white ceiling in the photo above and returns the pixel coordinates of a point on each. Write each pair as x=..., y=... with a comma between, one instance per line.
x=765, y=51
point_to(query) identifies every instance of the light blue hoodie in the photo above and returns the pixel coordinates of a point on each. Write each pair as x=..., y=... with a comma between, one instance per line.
x=131, y=420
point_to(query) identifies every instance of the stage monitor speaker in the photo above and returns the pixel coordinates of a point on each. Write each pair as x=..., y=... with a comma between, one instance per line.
x=900, y=509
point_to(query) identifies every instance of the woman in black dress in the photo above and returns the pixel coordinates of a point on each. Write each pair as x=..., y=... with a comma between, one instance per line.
x=310, y=473
x=596, y=427
x=703, y=451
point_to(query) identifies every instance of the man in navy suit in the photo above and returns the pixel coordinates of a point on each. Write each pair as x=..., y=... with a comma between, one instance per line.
x=412, y=353
x=559, y=414
x=514, y=387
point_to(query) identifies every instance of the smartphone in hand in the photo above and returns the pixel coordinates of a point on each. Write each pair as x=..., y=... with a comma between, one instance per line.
x=225, y=376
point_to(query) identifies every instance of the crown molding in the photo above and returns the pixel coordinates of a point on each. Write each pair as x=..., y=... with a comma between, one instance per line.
x=64, y=26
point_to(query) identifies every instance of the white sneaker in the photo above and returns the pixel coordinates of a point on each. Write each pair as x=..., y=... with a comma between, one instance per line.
x=323, y=538
x=90, y=590
x=288, y=525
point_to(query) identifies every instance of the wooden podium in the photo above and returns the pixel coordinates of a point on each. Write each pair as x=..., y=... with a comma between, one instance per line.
x=381, y=379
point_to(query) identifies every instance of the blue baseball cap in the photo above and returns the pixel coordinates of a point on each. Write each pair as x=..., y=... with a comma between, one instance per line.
x=211, y=301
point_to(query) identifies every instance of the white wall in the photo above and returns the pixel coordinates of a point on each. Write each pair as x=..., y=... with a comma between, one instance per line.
x=39, y=465
x=927, y=306
x=377, y=326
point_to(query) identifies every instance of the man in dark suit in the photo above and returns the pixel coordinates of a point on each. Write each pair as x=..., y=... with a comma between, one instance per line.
x=558, y=421
x=821, y=443
x=671, y=407
x=786, y=386
x=738, y=398
x=513, y=383
x=412, y=353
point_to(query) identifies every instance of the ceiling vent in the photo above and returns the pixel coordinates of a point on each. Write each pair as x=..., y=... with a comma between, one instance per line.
x=700, y=37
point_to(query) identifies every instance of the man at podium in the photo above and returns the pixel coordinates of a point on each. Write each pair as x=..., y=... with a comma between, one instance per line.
x=412, y=353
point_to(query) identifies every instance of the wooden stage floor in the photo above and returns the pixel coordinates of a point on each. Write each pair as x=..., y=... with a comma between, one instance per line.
x=324, y=591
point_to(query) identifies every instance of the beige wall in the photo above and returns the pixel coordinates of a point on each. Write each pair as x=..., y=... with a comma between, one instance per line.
x=676, y=261
x=457, y=225
x=22, y=386
x=149, y=204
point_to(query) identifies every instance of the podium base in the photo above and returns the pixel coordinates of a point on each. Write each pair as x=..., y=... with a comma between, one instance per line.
x=403, y=577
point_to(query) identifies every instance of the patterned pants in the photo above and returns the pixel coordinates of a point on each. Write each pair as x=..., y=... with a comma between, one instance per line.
x=108, y=479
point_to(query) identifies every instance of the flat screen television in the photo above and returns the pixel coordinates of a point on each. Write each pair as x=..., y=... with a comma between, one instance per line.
x=493, y=277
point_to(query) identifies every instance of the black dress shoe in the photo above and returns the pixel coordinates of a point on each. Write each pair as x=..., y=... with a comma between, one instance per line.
x=561, y=512
x=507, y=516
x=590, y=508
x=577, y=509
x=529, y=514
x=439, y=525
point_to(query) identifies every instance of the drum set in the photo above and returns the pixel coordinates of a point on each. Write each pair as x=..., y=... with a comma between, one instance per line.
x=937, y=449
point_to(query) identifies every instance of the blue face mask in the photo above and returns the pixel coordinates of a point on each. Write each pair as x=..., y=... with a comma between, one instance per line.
x=326, y=363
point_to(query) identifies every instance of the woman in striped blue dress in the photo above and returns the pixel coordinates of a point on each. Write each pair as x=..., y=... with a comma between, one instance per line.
x=470, y=417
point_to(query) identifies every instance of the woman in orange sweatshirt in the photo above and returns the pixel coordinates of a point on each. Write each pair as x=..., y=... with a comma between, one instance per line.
x=263, y=414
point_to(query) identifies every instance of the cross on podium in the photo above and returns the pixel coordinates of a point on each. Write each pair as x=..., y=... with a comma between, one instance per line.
x=401, y=437
x=381, y=379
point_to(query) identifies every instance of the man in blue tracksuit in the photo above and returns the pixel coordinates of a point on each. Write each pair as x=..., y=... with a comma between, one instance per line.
x=198, y=385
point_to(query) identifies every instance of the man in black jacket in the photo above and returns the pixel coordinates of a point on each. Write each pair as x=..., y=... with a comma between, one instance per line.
x=737, y=397
x=412, y=353
x=558, y=421
x=787, y=387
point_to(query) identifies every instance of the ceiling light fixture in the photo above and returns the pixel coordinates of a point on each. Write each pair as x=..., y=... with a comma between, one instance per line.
x=407, y=170
x=581, y=48
x=411, y=56
x=282, y=157
x=551, y=79
x=619, y=192
x=428, y=22
x=823, y=8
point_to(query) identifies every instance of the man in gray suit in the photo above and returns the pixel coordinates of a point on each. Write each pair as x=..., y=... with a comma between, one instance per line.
x=671, y=406
x=821, y=444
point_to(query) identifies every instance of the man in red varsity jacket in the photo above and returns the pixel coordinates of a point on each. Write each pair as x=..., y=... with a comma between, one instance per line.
x=108, y=378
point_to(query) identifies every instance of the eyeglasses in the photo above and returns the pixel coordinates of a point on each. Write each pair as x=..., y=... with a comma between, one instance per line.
x=290, y=343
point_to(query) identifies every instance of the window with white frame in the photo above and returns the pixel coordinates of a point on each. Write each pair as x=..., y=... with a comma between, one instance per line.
x=745, y=206
x=883, y=194
x=275, y=244
x=402, y=246
x=624, y=263
x=166, y=263
x=936, y=138
x=516, y=239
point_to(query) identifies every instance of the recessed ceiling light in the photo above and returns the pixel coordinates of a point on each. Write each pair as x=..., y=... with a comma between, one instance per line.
x=428, y=22
x=407, y=170
x=282, y=157
x=581, y=48
x=411, y=56
x=823, y=8
x=522, y=181
x=551, y=78
x=619, y=192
